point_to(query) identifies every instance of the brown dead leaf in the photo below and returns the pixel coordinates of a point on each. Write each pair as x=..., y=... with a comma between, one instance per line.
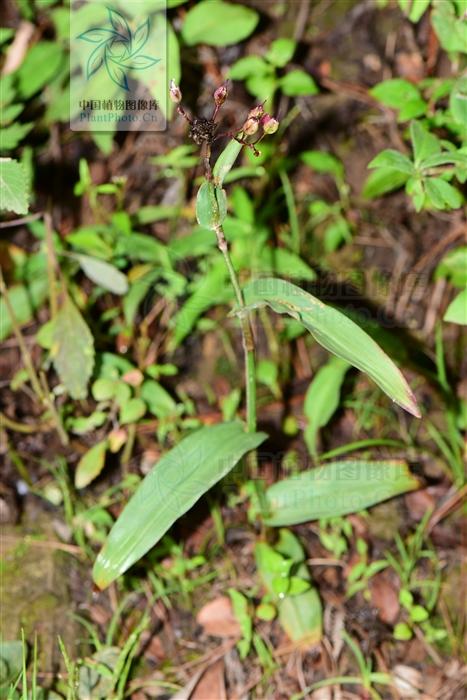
x=419, y=502
x=217, y=618
x=385, y=597
x=211, y=685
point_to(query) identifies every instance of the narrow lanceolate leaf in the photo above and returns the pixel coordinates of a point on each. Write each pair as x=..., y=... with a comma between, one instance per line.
x=103, y=274
x=72, y=350
x=335, y=489
x=225, y=162
x=335, y=332
x=174, y=484
x=322, y=398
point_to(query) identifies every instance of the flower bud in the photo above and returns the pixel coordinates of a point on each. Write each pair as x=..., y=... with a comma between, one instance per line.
x=256, y=112
x=269, y=124
x=175, y=92
x=220, y=95
x=250, y=127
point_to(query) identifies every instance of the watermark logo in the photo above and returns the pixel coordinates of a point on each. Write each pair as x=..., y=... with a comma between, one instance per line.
x=118, y=66
x=118, y=49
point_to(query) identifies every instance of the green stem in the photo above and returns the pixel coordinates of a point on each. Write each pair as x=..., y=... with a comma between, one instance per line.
x=247, y=335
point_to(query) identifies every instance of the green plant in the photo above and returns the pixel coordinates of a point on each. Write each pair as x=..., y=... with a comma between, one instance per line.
x=260, y=73
x=205, y=456
x=426, y=175
x=425, y=588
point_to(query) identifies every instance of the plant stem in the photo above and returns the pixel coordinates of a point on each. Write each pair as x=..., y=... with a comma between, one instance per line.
x=247, y=335
x=51, y=265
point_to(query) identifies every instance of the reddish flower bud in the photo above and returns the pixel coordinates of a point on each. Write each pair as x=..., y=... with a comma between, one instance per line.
x=269, y=124
x=175, y=92
x=250, y=127
x=256, y=112
x=220, y=95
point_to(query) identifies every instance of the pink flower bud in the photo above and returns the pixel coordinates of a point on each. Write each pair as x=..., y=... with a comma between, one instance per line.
x=256, y=112
x=220, y=95
x=175, y=92
x=250, y=127
x=269, y=124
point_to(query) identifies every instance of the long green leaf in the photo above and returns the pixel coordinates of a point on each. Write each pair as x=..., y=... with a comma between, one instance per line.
x=335, y=489
x=335, y=332
x=173, y=485
x=322, y=398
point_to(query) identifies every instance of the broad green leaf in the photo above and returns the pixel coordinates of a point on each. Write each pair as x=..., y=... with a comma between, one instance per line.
x=453, y=266
x=158, y=400
x=248, y=66
x=171, y=488
x=424, y=143
x=336, y=489
x=72, y=350
x=103, y=274
x=131, y=411
x=25, y=300
x=449, y=25
x=414, y=8
x=441, y=194
x=323, y=162
x=41, y=64
x=457, y=309
x=211, y=206
x=297, y=82
x=300, y=615
x=226, y=161
x=280, y=52
x=91, y=464
x=218, y=23
x=12, y=135
x=335, y=332
x=281, y=261
x=322, y=398
x=458, y=101
x=11, y=661
x=393, y=160
x=382, y=181
x=402, y=95
x=14, y=187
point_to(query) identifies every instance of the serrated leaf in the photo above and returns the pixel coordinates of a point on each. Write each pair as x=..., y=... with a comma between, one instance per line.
x=336, y=489
x=72, y=350
x=335, y=332
x=14, y=188
x=91, y=464
x=103, y=274
x=171, y=488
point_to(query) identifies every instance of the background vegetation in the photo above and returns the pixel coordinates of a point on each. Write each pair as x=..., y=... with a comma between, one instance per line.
x=326, y=564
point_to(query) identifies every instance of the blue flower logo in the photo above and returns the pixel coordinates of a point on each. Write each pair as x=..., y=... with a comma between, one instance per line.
x=118, y=49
